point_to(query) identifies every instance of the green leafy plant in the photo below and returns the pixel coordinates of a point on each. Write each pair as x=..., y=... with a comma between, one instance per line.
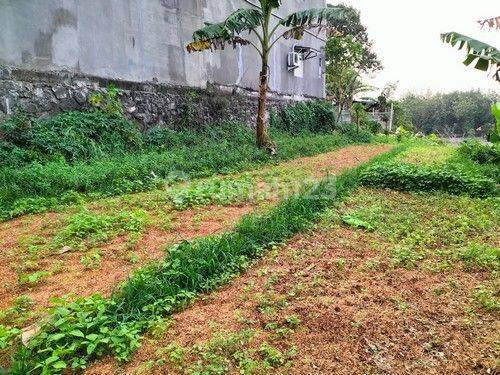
x=359, y=115
x=485, y=56
x=86, y=229
x=356, y=222
x=487, y=298
x=91, y=260
x=480, y=152
x=314, y=116
x=480, y=256
x=71, y=136
x=7, y=335
x=37, y=187
x=216, y=190
x=109, y=102
x=410, y=177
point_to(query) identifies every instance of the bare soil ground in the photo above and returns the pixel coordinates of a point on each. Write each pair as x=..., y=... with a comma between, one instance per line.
x=67, y=274
x=334, y=302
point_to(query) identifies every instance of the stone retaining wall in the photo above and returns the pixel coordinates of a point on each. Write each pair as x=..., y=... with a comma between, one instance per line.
x=43, y=94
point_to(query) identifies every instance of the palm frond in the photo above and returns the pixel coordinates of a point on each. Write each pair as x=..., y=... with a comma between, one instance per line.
x=486, y=56
x=321, y=19
x=217, y=35
x=243, y=20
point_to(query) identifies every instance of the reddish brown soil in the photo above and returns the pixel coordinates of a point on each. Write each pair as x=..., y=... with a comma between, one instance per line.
x=73, y=277
x=355, y=319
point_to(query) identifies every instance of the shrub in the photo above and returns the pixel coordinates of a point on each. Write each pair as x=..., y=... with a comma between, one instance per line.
x=316, y=116
x=74, y=136
x=374, y=127
x=220, y=149
x=409, y=177
x=358, y=135
x=480, y=152
x=109, y=102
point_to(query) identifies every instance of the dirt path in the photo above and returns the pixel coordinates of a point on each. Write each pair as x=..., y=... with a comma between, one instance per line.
x=329, y=302
x=66, y=274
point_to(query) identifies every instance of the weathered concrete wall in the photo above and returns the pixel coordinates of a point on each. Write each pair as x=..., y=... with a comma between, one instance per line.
x=143, y=40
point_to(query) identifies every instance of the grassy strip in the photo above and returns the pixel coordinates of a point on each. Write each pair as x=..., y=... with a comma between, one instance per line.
x=78, y=332
x=448, y=178
x=38, y=188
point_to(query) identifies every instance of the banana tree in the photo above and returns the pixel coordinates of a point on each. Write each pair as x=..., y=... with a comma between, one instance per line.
x=258, y=22
x=486, y=56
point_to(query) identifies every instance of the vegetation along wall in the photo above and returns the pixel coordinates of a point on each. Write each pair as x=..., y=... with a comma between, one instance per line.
x=75, y=46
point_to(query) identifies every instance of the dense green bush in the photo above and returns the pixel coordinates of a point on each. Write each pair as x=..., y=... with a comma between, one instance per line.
x=375, y=127
x=411, y=177
x=317, y=116
x=80, y=331
x=38, y=187
x=72, y=136
x=351, y=130
x=480, y=152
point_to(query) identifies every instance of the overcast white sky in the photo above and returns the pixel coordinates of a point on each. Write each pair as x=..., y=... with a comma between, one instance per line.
x=406, y=39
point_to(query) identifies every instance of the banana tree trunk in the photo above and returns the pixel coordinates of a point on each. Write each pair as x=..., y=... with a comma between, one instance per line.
x=262, y=136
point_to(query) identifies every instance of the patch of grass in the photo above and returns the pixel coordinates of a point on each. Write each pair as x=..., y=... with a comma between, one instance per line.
x=447, y=178
x=215, y=190
x=418, y=226
x=86, y=229
x=480, y=256
x=223, y=149
x=427, y=155
x=487, y=298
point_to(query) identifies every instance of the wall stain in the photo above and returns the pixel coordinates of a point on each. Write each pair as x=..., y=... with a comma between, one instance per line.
x=43, y=45
x=63, y=17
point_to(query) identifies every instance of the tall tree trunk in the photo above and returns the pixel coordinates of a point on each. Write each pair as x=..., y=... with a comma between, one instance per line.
x=262, y=137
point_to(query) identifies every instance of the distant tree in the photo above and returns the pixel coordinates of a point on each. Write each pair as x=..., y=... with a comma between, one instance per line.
x=454, y=114
x=258, y=22
x=351, y=26
x=349, y=54
x=343, y=82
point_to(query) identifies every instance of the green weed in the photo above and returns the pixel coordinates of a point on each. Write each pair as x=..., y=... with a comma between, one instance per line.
x=176, y=155
x=480, y=256
x=487, y=298
x=86, y=229
x=447, y=178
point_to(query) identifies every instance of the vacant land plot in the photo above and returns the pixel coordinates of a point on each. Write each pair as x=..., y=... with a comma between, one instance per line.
x=392, y=267
x=387, y=282
x=93, y=247
x=413, y=289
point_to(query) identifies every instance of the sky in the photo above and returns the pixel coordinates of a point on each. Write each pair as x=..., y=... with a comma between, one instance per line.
x=406, y=38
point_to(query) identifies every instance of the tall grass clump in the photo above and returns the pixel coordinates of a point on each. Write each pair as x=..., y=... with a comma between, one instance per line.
x=316, y=116
x=169, y=154
x=80, y=331
x=448, y=178
x=70, y=136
